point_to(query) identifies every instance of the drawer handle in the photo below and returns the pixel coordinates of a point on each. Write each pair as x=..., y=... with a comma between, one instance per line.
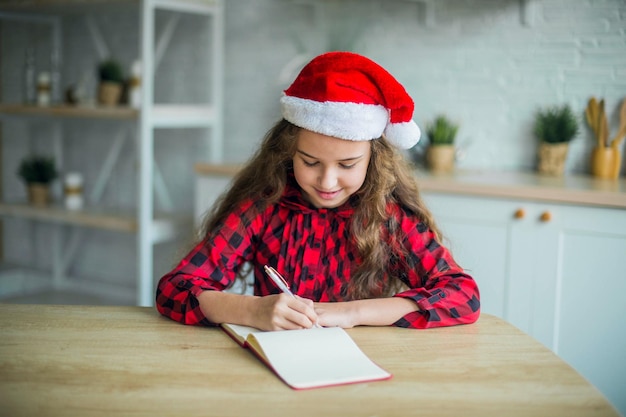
x=519, y=213
x=546, y=216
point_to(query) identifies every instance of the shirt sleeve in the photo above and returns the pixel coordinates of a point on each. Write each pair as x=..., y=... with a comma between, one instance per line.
x=211, y=265
x=444, y=293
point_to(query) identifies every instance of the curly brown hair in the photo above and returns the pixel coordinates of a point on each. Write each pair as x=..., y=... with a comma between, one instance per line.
x=389, y=178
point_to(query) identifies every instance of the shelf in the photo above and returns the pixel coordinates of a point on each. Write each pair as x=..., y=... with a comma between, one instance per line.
x=164, y=226
x=42, y=6
x=156, y=25
x=24, y=284
x=163, y=115
x=85, y=6
x=86, y=112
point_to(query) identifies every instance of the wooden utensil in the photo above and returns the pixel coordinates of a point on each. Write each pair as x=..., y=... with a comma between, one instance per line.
x=617, y=139
x=592, y=115
x=602, y=125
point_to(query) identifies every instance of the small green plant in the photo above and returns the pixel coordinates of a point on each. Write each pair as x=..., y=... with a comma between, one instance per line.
x=442, y=131
x=556, y=125
x=38, y=169
x=111, y=71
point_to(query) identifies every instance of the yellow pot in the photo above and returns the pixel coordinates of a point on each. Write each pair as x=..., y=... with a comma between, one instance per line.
x=606, y=162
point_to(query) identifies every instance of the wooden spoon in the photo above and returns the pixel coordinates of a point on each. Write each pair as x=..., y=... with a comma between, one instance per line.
x=617, y=157
x=602, y=126
x=592, y=115
x=617, y=139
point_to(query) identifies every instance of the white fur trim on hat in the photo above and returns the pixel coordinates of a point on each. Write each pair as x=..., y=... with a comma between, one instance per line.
x=403, y=135
x=344, y=120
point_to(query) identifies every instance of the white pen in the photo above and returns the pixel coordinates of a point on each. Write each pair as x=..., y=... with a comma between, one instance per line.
x=280, y=282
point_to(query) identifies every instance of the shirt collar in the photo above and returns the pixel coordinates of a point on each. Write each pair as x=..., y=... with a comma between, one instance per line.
x=293, y=199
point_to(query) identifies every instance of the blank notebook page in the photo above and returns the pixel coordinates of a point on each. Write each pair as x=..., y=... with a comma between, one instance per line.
x=315, y=357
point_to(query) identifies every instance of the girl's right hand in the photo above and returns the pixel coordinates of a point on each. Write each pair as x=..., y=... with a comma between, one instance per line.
x=283, y=312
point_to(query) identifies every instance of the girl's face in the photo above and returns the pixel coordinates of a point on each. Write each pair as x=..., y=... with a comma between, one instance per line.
x=329, y=170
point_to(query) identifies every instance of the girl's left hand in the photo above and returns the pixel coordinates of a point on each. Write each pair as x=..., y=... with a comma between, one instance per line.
x=335, y=314
x=370, y=312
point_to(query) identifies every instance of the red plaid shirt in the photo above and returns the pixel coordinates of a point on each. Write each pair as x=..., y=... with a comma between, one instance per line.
x=313, y=250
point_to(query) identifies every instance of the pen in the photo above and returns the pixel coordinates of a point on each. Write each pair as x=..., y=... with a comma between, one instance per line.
x=280, y=282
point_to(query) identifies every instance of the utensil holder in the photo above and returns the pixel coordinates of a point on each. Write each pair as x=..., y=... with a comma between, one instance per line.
x=606, y=162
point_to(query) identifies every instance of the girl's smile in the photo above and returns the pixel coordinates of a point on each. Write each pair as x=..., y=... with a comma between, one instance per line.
x=329, y=170
x=325, y=195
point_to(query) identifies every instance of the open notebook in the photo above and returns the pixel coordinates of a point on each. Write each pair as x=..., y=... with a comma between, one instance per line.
x=311, y=358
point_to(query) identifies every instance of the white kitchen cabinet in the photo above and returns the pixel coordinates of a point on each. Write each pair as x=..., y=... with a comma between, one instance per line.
x=557, y=271
x=157, y=22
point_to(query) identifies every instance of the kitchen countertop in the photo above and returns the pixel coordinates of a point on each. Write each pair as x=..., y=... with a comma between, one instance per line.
x=571, y=188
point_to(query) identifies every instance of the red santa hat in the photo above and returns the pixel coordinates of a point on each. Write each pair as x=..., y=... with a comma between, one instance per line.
x=349, y=96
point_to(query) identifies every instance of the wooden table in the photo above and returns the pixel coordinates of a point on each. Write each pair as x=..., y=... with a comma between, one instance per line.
x=129, y=361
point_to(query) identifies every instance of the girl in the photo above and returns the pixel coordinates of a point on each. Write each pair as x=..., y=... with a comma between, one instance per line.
x=329, y=202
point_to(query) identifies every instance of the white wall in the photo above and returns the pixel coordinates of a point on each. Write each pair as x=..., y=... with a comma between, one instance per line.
x=475, y=60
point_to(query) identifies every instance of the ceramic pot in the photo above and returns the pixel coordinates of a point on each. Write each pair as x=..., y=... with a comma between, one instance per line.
x=109, y=93
x=606, y=162
x=440, y=158
x=552, y=158
x=38, y=194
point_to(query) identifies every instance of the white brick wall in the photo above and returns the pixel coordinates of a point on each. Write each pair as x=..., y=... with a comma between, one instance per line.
x=477, y=62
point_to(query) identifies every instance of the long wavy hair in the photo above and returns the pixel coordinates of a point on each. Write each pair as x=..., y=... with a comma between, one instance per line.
x=389, y=178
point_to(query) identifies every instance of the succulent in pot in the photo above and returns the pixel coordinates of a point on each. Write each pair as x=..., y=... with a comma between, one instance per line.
x=38, y=172
x=111, y=82
x=554, y=127
x=441, y=151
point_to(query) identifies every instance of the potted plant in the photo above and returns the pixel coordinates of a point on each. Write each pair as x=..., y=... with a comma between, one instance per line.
x=554, y=127
x=111, y=82
x=38, y=172
x=440, y=153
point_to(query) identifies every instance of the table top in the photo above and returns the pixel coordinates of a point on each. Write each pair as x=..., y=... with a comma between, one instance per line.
x=95, y=360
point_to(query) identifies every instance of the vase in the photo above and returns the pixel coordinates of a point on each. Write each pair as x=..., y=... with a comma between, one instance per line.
x=606, y=162
x=440, y=158
x=552, y=158
x=109, y=93
x=38, y=194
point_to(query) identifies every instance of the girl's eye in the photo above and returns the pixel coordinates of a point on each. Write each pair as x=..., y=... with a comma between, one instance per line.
x=309, y=164
x=346, y=166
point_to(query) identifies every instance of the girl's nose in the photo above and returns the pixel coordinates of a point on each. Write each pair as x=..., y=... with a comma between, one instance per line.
x=327, y=179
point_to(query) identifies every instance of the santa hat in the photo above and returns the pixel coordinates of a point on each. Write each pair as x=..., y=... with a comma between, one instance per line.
x=348, y=96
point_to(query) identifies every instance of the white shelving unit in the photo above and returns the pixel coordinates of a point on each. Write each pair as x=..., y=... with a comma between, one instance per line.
x=149, y=227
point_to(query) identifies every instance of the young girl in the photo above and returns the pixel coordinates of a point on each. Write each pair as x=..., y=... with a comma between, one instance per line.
x=330, y=203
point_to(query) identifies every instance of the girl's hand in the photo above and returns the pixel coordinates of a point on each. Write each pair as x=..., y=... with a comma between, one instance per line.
x=370, y=312
x=340, y=314
x=283, y=312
